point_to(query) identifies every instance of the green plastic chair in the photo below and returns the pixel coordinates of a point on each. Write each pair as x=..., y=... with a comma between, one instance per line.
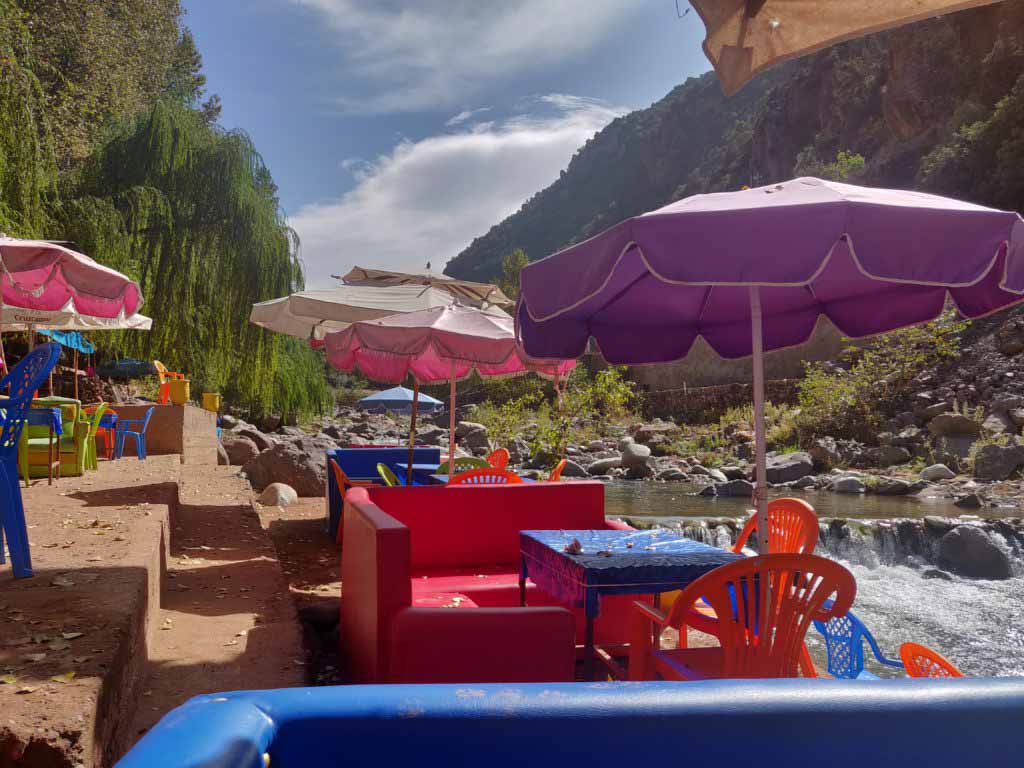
x=93, y=421
x=462, y=464
x=389, y=477
x=34, y=442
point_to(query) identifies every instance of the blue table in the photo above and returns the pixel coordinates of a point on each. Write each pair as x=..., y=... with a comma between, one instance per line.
x=612, y=563
x=422, y=474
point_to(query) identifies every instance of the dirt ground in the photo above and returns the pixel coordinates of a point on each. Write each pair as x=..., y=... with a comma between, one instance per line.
x=98, y=644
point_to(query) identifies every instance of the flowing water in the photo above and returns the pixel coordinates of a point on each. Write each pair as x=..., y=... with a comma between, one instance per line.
x=978, y=624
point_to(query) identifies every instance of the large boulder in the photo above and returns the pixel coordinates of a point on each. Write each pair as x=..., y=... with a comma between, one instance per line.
x=572, y=469
x=789, y=467
x=848, y=485
x=635, y=455
x=949, y=424
x=888, y=455
x=602, y=466
x=640, y=471
x=937, y=472
x=735, y=488
x=970, y=552
x=824, y=452
x=997, y=462
x=1009, y=338
x=432, y=435
x=239, y=449
x=263, y=443
x=278, y=495
x=300, y=463
x=222, y=456
x=893, y=486
x=472, y=436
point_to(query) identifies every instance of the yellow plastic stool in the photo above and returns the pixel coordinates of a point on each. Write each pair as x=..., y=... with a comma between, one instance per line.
x=211, y=401
x=179, y=391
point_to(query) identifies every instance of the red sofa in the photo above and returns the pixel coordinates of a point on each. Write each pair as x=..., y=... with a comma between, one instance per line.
x=430, y=584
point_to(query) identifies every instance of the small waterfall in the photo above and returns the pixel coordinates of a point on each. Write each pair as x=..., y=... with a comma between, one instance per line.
x=873, y=543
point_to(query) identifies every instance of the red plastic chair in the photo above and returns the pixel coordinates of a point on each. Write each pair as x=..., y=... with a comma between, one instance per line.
x=499, y=458
x=755, y=643
x=792, y=529
x=485, y=476
x=556, y=473
x=920, y=661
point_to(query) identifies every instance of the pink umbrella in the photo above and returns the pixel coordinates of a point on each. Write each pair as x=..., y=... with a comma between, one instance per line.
x=435, y=345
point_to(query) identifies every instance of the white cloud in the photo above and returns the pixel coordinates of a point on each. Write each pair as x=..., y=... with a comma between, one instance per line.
x=426, y=200
x=399, y=56
x=465, y=115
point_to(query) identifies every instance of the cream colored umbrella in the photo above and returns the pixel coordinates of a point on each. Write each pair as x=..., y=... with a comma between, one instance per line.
x=745, y=37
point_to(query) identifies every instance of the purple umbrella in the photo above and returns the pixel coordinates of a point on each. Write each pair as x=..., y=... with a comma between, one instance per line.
x=753, y=271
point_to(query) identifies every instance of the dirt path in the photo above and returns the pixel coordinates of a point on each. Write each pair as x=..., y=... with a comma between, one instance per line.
x=225, y=621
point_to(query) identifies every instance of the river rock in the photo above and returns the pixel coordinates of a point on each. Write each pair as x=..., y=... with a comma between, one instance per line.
x=472, y=435
x=640, y=471
x=657, y=432
x=287, y=431
x=947, y=424
x=732, y=472
x=735, y=488
x=634, y=455
x=999, y=424
x=239, y=449
x=227, y=421
x=624, y=441
x=334, y=431
x=278, y=495
x=263, y=442
x=223, y=460
x=299, y=463
x=788, y=467
x=848, y=485
x=824, y=452
x=572, y=469
x=997, y=462
x=940, y=525
x=671, y=475
x=969, y=501
x=893, y=486
x=1009, y=339
x=937, y=472
x=969, y=551
x=807, y=481
x=935, y=573
x=715, y=474
x=432, y=435
x=602, y=466
x=888, y=455
x=596, y=446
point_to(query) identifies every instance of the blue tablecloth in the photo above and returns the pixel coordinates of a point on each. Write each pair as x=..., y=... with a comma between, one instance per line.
x=45, y=417
x=108, y=421
x=615, y=563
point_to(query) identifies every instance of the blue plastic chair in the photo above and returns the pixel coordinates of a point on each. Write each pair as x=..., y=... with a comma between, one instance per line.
x=137, y=429
x=20, y=386
x=844, y=640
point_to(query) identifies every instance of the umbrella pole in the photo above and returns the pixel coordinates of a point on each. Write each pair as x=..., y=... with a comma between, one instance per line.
x=412, y=426
x=451, y=421
x=76, y=374
x=760, y=482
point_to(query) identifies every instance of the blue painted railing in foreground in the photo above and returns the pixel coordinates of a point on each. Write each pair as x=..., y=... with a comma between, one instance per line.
x=784, y=723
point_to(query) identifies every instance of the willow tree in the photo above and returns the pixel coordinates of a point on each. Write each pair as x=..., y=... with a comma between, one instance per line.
x=191, y=211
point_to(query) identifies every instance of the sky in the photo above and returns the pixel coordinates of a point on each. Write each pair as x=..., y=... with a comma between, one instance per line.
x=399, y=131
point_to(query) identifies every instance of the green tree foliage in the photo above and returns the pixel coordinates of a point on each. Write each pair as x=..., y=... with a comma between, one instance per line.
x=511, y=266
x=847, y=167
x=186, y=81
x=854, y=399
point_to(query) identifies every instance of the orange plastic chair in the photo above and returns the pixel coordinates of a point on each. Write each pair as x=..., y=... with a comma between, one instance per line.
x=485, y=476
x=556, y=473
x=345, y=482
x=792, y=529
x=920, y=661
x=754, y=642
x=164, y=397
x=499, y=458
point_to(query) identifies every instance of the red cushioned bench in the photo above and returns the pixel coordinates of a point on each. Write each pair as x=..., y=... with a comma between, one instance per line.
x=430, y=584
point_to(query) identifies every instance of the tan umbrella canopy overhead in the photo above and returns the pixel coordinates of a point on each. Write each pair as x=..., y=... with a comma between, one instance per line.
x=745, y=37
x=470, y=292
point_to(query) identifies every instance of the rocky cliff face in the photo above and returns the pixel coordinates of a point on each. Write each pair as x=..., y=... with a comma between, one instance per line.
x=933, y=105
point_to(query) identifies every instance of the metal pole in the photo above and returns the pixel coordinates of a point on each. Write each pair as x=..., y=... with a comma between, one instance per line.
x=760, y=482
x=451, y=421
x=76, y=374
x=412, y=426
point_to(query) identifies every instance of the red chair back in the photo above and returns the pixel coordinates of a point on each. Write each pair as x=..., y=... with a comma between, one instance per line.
x=485, y=476
x=792, y=528
x=499, y=458
x=921, y=661
x=759, y=643
x=556, y=473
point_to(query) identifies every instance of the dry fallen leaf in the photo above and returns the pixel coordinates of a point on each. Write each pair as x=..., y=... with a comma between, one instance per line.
x=34, y=657
x=63, y=580
x=167, y=624
x=64, y=678
x=8, y=679
x=80, y=659
x=27, y=689
x=59, y=644
x=71, y=635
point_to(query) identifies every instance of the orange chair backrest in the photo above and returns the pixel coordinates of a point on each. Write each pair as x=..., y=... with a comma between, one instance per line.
x=161, y=370
x=485, y=476
x=556, y=473
x=921, y=661
x=792, y=528
x=759, y=643
x=499, y=458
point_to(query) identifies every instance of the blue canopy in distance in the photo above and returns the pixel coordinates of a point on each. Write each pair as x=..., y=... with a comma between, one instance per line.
x=399, y=400
x=71, y=340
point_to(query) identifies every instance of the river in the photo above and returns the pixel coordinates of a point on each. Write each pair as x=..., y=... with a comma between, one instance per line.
x=977, y=624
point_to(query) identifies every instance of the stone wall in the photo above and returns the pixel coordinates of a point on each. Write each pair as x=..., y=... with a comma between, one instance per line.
x=705, y=405
x=186, y=430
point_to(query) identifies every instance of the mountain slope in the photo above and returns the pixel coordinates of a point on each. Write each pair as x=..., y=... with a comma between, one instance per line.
x=937, y=105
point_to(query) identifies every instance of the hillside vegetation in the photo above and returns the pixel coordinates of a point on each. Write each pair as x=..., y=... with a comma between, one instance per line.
x=107, y=139
x=937, y=106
